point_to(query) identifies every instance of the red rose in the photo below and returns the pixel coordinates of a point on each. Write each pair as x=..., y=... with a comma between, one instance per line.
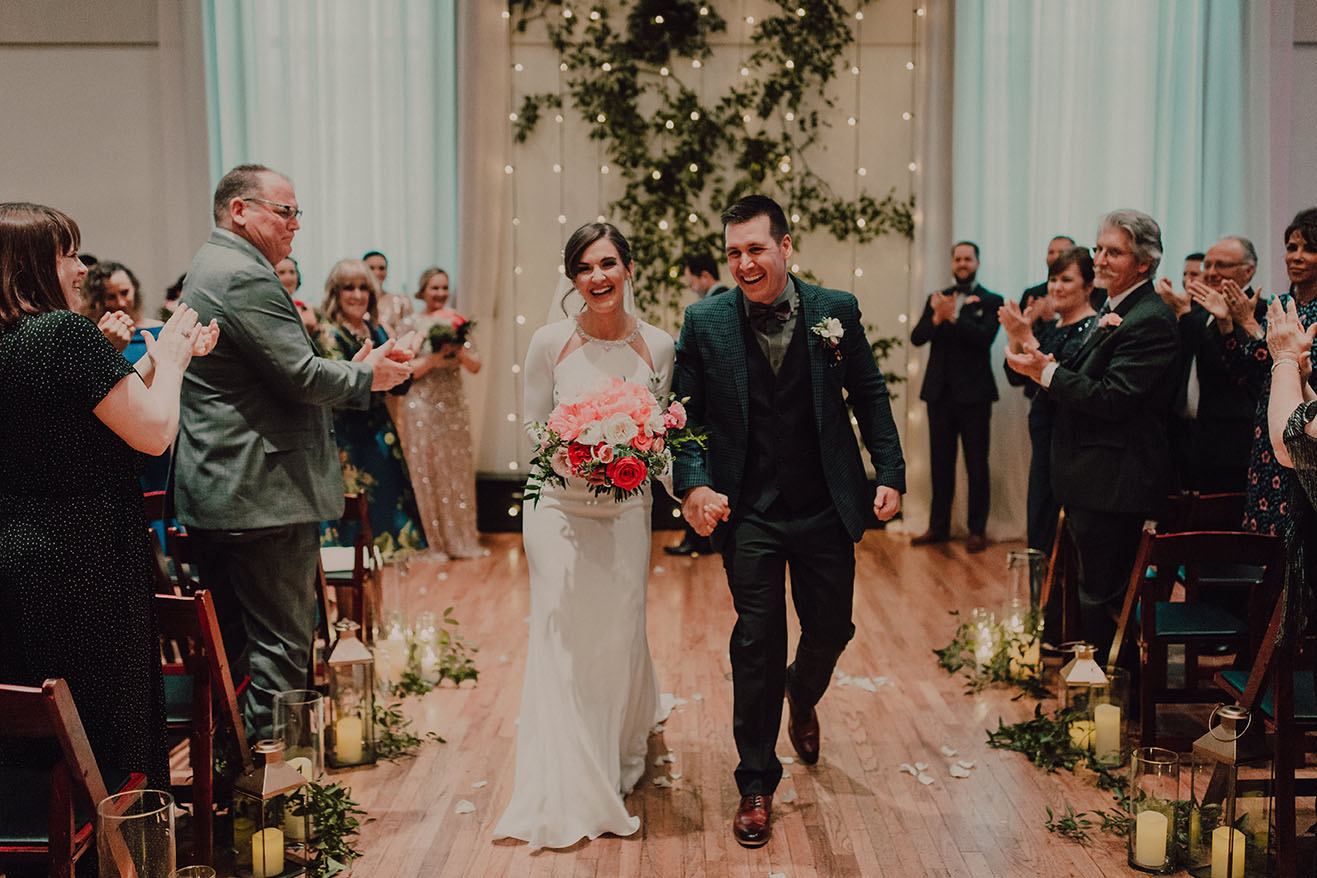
x=578, y=455
x=627, y=473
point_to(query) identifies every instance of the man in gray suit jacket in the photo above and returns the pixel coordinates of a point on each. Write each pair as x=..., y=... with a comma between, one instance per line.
x=256, y=467
x=769, y=370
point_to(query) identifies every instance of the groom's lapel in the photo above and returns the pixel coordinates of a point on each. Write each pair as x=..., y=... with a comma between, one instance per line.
x=734, y=346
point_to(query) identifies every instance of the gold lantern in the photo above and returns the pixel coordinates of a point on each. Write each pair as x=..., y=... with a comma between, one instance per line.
x=1229, y=821
x=1082, y=679
x=351, y=721
x=260, y=798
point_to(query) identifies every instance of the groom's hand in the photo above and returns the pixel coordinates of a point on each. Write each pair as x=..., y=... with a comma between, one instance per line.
x=886, y=502
x=703, y=508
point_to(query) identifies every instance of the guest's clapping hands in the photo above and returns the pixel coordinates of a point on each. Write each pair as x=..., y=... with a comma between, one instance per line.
x=703, y=508
x=118, y=328
x=387, y=370
x=886, y=502
x=1179, y=302
x=1211, y=300
x=944, y=306
x=1017, y=324
x=1286, y=337
x=1241, y=305
x=178, y=341
x=1029, y=362
x=407, y=347
x=206, y=338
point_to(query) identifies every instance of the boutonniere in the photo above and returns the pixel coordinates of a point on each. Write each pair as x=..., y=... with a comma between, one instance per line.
x=1111, y=318
x=830, y=330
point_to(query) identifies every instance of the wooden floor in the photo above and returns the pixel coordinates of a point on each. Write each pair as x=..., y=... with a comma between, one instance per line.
x=854, y=813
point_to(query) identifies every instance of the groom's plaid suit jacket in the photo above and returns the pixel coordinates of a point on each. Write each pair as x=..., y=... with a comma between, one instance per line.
x=711, y=369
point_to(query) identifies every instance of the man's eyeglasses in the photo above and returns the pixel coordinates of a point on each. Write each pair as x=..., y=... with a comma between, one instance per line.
x=287, y=211
x=1208, y=265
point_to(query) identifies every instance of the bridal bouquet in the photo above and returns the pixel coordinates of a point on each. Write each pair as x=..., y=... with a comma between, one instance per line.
x=614, y=434
x=451, y=329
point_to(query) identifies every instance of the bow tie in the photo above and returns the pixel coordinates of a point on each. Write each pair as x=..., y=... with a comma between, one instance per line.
x=769, y=318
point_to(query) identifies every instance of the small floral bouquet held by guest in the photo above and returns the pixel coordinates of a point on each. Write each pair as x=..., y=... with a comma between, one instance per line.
x=614, y=434
x=450, y=328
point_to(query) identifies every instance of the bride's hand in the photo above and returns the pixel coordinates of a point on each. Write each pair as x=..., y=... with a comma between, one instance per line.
x=703, y=508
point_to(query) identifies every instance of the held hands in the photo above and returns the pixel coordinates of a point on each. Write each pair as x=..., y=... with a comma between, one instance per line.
x=117, y=327
x=389, y=363
x=704, y=507
x=886, y=502
x=1029, y=362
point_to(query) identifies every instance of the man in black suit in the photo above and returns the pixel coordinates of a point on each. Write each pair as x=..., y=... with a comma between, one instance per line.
x=1212, y=427
x=701, y=276
x=778, y=372
x=961, y=322
x=1110, y=457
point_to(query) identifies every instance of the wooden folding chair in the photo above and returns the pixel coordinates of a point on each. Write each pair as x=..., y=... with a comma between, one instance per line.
x=1061, y=586
x=1191, y=559
x=47, y=812
x=182, y=553
x=349, y=571
x=195, y=686
x=1191, y=511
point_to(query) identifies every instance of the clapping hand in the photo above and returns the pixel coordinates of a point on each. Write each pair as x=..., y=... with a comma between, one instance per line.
x=1211, y=300
x=388, y=369
x=1030, y=362
x=1178, y=302
x=1017, y=324
x=1240, y=305
x=206, y=338
x=407, y=347
x=1286, y=337
x=118, y=328
x=179, y=340
x=944, y=306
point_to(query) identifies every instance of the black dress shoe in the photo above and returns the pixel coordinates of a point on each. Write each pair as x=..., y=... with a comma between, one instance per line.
x=697, y=546
x=753, y=824
x=803, y=730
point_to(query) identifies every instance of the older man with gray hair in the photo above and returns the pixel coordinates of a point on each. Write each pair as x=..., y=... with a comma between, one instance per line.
x=1110, y=456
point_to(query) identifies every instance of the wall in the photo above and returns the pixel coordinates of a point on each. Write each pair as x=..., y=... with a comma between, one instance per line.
x=105, y=119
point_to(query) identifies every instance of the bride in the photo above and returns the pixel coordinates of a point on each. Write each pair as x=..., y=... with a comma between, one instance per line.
x=590, y=696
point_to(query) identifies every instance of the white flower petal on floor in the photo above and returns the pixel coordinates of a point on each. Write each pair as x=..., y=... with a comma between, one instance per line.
x=785, y=773
x=925, y=779
x=957, y=771
x=464, y=807
x=909, y=769
x=786, y=760
x=965, y=763
x=478, y=784
x=661, y=781
x=922, y=766
x=789, y=796
x=947, y=751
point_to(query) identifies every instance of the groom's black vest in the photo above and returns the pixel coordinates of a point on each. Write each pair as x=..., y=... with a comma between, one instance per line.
x=782, y=459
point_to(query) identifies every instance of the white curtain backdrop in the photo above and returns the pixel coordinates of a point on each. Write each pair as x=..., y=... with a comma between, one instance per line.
x=1062, y=111
x=357, y=102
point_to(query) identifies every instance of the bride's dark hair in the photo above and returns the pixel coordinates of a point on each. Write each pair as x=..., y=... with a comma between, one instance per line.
x=586, y=235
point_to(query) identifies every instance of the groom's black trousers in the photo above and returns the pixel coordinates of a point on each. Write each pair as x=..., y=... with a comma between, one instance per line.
x=757, y=549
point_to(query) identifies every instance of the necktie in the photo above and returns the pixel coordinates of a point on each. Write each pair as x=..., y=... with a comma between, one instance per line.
x=769, y=318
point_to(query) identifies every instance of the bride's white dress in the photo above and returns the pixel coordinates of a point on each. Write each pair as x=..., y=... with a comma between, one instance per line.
x=590, y=696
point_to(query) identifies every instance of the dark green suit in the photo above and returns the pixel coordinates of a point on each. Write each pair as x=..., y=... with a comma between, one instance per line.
x=717, y=356
x=256, y=465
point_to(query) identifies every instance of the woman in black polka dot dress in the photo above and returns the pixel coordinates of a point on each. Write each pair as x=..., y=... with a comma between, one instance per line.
x=75, y=421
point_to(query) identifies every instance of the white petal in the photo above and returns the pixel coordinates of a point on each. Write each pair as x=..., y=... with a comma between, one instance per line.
x=908, y=769
x=789, y=796
x=957, y=771
x=478, y=784
x=786, y=760
x=464, y=807
x=922, y=766
x=965, y=763
x=662, y=782
x=697, y=697
x=925, y=779
x=947, y=751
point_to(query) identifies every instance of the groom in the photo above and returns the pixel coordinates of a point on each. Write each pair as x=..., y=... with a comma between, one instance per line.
x=781, y=482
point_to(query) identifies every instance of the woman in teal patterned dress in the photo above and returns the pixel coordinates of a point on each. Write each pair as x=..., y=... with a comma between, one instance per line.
x=367, y=440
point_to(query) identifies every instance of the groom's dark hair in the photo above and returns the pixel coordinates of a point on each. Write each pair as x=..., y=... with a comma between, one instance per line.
x=751, y=206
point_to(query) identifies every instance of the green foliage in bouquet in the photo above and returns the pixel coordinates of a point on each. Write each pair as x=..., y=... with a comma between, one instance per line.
x=441, y=334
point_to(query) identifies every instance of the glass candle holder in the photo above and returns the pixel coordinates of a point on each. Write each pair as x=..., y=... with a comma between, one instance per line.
x=299, y=721
x=135, y=834
x=1110, y=703
x=1154, y=787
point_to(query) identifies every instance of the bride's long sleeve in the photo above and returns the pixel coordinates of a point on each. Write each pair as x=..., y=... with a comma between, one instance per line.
x=537, y=375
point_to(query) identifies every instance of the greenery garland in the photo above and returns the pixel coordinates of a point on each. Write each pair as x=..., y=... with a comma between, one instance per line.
x=680, y=158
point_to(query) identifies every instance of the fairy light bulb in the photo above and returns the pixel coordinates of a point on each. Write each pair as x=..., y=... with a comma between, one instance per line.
x=855, y=71
x=851, y=121
x=859, y=272
x=696, y=63
x=745, y=71
x=602, y=117
x=658, y=19
x=604, y=169
x=508, y=169
x=909, y=65
x=669, y=125
x=795, y=217
x=859, y=16
x=516, y=368
x=860, y=222
x=862, y=171
x=912, y=166
x=557, y=168
x=691, y=218
x=512, y=465
x=663, y=71
x=663, y=225
x=790, y=65
x=558, y=118
x=566, y=13
x=506, y=15
x=516, y=221
x=521, y=319
x=518, y=67
x=656, y=174
x=906, y=115
x=695, y=115
x=749, y=19
x=901, y=318
x=606, y=67
x=800, y=11
x=517, y=270
x=790, y=117
x=512, y=117
x=562, y=219
x=512, y=417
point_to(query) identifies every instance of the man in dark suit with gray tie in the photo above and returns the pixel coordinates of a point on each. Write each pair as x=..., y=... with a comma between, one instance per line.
x=256, y=467
x=1110, y=457
x=770, y=369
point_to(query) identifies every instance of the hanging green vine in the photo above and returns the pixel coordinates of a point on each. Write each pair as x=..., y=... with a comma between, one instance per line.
x=682, y=159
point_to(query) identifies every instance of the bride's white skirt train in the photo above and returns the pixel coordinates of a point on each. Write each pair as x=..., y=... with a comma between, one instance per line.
x=590, y=696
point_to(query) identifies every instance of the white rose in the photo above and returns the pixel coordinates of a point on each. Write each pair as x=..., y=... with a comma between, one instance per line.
x=591, y=434
x=619, y=429
x=832, y=329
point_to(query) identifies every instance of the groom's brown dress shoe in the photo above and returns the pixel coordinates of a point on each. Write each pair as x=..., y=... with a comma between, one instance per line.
x=929, y=537
x=803, y=730
x=753, y=824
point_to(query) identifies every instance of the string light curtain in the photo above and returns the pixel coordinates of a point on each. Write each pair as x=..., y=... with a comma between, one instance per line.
x=357, y=102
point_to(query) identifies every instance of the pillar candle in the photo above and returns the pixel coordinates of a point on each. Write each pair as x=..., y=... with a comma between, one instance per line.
x=347, y=740
x=1081, y=734
x=302, y=765
x=1150, y=839
x=267, y=853
x=1220, y=856
x=1107, y=736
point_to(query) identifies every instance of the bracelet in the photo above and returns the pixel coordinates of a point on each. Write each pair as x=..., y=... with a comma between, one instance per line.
x=1282, y=362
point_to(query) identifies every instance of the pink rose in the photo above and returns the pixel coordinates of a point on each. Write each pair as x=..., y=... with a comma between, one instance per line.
x=675, y=417
x=561, y=463
x=642, y=442
x=603, y=452
x=627, y=473
x=1111, y=318
x=658, y=444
